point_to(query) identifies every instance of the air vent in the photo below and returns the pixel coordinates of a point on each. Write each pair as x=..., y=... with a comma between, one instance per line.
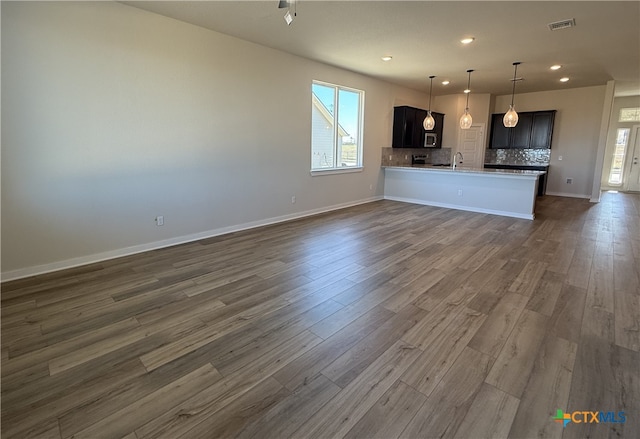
x=562, y=24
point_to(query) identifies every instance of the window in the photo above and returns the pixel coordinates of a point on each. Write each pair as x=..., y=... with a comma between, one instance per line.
x=622, y=139
x=629, y=115
x=336, y=127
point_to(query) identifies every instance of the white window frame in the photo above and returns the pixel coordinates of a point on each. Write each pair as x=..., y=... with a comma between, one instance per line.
x=335, y=169
x=633, y=112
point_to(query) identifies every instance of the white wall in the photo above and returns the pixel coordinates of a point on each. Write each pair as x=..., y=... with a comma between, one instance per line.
x=113, y=115
x=452, y=108
x=404, y=96
x=575, y=134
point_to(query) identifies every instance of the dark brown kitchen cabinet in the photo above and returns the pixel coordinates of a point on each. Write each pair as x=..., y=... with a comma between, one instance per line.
x=534, y=130
x=542, y=129
x=521, y=133
x=408, y=131
x=405, y=128
x=500, y=136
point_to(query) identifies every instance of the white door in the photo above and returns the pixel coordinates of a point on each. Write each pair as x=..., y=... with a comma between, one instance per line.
x=634, y=173
x=471, y=145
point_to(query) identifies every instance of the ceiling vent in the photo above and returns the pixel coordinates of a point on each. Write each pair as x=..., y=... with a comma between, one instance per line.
x=562, y=24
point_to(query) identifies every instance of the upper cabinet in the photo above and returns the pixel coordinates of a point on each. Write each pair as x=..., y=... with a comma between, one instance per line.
x=542, y=129
x=408, y=131
x=534, y=130
x=521, y=133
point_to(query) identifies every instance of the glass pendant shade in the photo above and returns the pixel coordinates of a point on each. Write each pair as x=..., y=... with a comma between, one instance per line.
x=466, y=120
x=510, y=119
x=429, y=122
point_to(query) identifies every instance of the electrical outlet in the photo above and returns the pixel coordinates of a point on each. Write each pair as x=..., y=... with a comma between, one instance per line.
x=293, y=199
x=569, y=180
x=160, y=220
x=370, y=187
x=390, y=157
x=560, y=157
x=459, y=192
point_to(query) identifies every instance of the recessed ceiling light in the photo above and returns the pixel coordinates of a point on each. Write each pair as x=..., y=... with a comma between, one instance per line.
x=555, y=67
x=565, y=79
x=467, y=91
x=445, y=82
x=387, y=58
x=467, y=40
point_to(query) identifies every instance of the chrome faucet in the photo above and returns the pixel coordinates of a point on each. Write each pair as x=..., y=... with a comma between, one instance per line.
x=453, y=162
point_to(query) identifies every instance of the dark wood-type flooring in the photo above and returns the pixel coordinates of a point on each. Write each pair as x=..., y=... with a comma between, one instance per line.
x=382, y=320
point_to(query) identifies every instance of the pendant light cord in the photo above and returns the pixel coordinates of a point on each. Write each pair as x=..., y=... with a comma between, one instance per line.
x=430, y=89
x=515, y=73
x=468, y=86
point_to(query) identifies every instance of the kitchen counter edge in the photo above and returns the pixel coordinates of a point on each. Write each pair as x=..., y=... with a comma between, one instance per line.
x=512, y=173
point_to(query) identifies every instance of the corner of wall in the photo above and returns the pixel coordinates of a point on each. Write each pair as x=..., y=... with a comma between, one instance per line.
x=602, y=141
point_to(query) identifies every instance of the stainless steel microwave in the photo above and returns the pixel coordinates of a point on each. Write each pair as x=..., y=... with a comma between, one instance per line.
x=430, y=140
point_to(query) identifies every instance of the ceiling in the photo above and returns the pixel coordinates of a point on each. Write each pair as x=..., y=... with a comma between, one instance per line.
x=423, y=37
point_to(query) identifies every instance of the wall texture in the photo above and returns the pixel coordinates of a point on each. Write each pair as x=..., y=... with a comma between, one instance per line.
x=113, y=115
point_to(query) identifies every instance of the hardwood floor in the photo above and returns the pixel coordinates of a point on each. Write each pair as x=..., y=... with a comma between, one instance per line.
x=385, y=320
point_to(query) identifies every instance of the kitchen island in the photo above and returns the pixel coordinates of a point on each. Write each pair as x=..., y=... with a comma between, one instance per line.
x=495, y=191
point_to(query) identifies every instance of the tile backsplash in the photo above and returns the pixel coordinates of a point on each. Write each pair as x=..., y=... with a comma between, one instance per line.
x=402, y=156
x=517, y=156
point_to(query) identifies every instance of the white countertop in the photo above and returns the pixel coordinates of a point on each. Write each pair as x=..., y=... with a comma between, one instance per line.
x=468, y=170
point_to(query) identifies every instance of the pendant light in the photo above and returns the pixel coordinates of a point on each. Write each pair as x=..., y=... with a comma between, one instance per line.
x=429, y=122
x=466, y=120
x=510, y=119
x=287, y=4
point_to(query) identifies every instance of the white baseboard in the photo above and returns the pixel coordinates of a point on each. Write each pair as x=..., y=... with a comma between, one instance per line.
x=465, y=208
x=565, y=194
x=103, y=256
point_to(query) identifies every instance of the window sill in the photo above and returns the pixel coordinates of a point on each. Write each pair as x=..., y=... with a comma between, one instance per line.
x=331, y=171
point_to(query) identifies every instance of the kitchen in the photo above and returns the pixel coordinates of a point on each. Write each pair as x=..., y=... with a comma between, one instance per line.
x=514, y=171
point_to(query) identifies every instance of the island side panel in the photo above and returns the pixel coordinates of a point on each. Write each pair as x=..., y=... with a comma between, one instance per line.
x=512, y=195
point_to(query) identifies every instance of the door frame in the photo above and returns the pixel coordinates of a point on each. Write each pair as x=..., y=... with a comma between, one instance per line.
x=634, y=136
x=483, y=139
